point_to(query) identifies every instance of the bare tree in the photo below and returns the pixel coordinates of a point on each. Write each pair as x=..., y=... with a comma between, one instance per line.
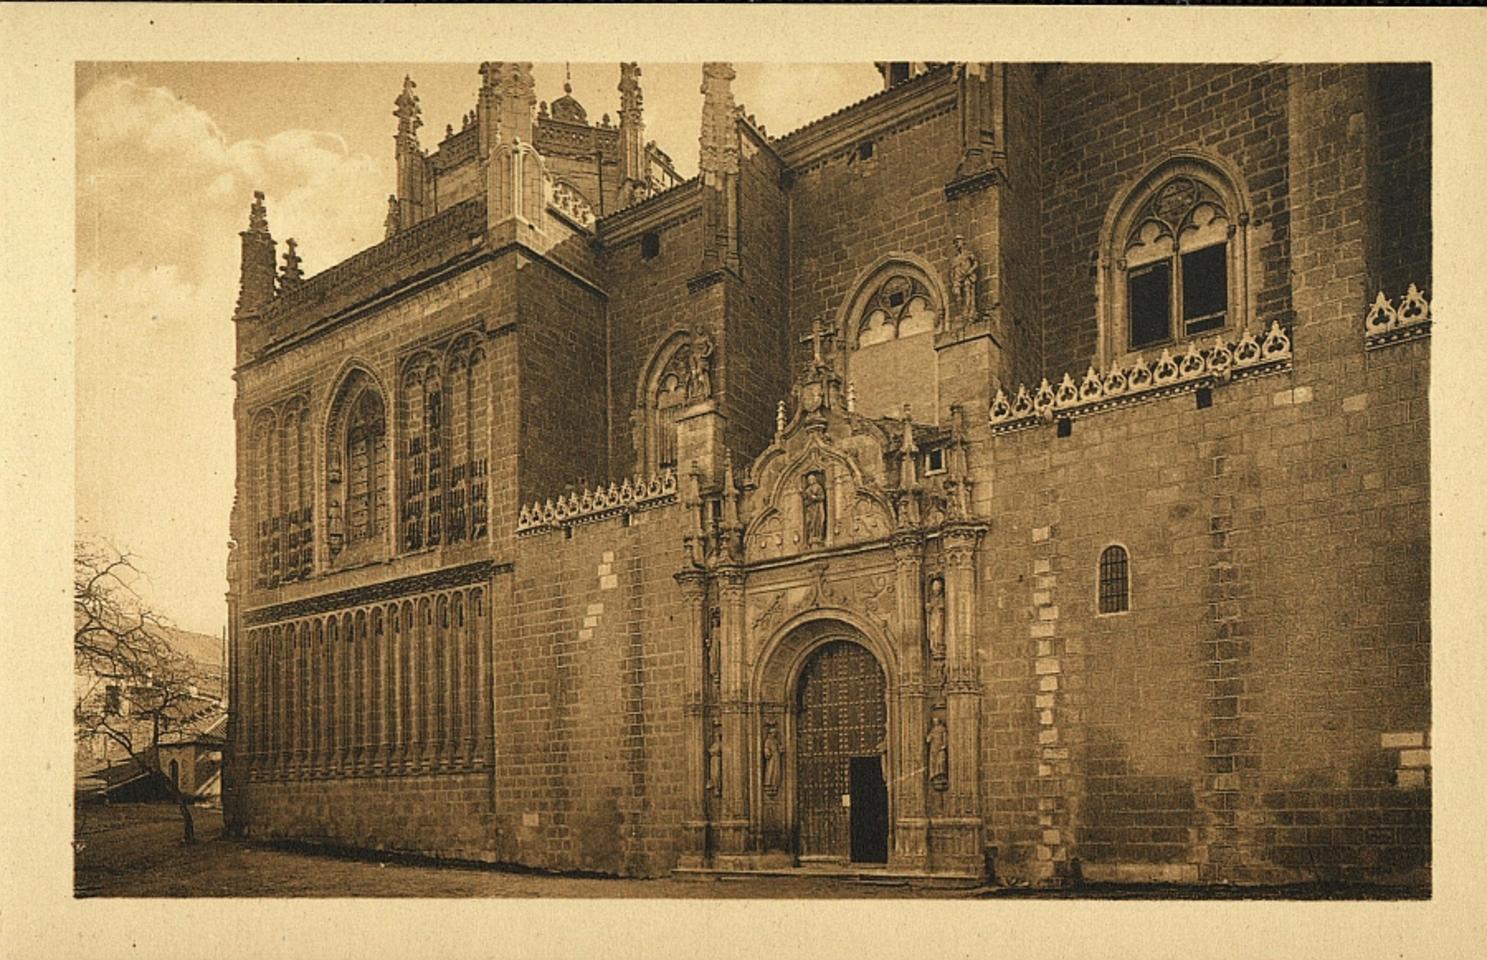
x=138, y=686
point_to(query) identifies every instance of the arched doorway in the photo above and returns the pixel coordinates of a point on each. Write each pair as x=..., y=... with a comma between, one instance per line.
x=841, y=743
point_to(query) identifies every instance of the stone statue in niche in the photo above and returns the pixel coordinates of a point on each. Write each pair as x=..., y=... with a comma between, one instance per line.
x=700, y=385
x=715, y=762
x=813, y=509
x=934, y=617
x=963, y=281
x=939, y=754
x=774, y=756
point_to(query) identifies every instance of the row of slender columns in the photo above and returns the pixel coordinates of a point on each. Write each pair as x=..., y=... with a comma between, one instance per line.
x=399, y=686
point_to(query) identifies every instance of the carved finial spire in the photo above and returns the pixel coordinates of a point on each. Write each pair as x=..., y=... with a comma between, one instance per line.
x=290, y=275
x=717, y=165
x=908, y=477
x=258, y=214
x=256, y=279
x=634, y=160
x=718, y=143
x=409, y=114
x=779, y=421
x=391, y=224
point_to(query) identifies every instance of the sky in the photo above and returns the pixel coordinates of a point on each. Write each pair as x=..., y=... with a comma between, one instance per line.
x=168, y=155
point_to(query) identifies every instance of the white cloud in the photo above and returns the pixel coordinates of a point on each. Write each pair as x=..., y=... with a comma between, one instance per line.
x=162, y=194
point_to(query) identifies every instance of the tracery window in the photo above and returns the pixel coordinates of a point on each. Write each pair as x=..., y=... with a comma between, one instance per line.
x=890, y=327
x=280, y=496
x=446, y=441
x=1177, y=257
x=356, y=474
x=665, y=390
x=1115, y=580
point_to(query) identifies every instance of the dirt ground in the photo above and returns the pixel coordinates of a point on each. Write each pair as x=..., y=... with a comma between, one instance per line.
x=134, y=850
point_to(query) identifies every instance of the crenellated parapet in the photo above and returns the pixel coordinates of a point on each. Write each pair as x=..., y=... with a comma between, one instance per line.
x=601, y=503
x=1200, y=366
x=1387, y=324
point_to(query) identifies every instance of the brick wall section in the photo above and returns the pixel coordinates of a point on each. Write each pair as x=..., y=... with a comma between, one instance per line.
x=1261, y=712
x=846, y=213
x=648, y=300
x=562, y=382
x=1104, y=126
x=1021, y=333
x=1402, y=185
x=444, y=815
x=589, y=693
x=755, y=356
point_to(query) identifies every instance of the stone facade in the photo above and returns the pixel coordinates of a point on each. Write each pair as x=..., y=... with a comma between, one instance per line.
x=1024, y=469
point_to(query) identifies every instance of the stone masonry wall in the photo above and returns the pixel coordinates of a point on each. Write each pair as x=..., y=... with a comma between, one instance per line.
x=1262, y=712
x=1104, y=127
x=847, y=212
x=562, y=368
x=756, y=364
x=648, y=301
x=589, y=695
x=1401, y=156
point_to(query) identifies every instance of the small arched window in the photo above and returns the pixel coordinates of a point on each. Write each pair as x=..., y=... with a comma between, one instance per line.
x=1176, y=256
x=1115, y=580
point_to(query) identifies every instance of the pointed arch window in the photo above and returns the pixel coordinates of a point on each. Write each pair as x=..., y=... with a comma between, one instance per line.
x=1177, y=257
x=890, y=325
x=356, y=474
x=664, y=393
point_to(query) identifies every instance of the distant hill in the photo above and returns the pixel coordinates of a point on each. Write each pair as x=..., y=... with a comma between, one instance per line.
x=204, y=648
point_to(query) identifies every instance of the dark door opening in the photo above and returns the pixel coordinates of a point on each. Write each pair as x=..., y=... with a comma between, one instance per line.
x=869, y=811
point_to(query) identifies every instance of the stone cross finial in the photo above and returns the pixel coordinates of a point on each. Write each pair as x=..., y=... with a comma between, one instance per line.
x=820, y=334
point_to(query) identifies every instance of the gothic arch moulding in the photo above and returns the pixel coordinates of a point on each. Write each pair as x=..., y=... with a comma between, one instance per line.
x=677, y=375
x=784, y=655
x=888, y=326
x=1184, y=204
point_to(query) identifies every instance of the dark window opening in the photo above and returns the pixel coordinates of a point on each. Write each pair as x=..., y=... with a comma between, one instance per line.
x=934, y=461
x=1205, y=398
x=650, y=245
x=865, y=150
x=1115, y=580
x=1065, y=427
x=1151, y=304
x=1205, y=289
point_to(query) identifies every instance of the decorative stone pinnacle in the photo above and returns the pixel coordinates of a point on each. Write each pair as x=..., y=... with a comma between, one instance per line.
x=408, y=112
x=258, y=214
x=291, y=274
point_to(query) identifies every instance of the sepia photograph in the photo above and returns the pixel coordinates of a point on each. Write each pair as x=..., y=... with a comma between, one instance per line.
x=664, y=478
